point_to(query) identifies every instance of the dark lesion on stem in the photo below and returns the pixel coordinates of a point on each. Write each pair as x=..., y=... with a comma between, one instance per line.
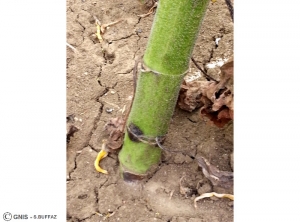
x=129, y=176
x=135, y=134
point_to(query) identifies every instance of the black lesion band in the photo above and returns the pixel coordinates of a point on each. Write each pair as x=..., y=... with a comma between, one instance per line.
x=135, y=134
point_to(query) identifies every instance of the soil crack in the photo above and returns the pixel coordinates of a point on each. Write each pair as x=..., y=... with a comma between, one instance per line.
x=75, y=167
x=95, y=124
x=96, y=194
x=126, y=37
x=80, y=25
x=89, y=217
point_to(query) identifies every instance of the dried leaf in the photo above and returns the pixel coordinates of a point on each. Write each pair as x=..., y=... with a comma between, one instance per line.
x=214, y=98
x=218, y=178
x=189, y=96
x=225, y=114
x=115, y=144
x=214, y=117
x=225, y=99
x=114, y=124
x=115, y=128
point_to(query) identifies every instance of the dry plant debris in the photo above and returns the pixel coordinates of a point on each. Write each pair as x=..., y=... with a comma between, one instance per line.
x=102, y=154
x=230, y=196
x=115, y=129
x=102, y=28
x=150, y=11
x=215, y=99
x=217, y=177
x=72, y=47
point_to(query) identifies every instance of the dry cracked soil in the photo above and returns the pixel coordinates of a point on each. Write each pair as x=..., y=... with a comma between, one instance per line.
x=100, y=86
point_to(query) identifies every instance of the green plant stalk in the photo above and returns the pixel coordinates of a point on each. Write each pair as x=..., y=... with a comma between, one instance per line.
x=171, y=42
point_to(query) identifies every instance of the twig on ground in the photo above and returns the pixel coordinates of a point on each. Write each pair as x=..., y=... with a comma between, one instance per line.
x=207, y=76
x=101, y=28
x=105, y=26
x=149, y=12
x=230, y=196
x=72, y=47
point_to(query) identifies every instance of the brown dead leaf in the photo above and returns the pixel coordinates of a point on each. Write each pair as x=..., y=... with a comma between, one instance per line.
x=219, y=120
x=115, y=128
x=224, y=114
x=190, y=95
x=227, y=72
x=114, y=124
x=218, y=178
x=214, y=98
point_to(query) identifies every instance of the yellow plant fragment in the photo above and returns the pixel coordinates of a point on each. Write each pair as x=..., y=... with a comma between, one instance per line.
x=100, y=156
x=98, y=33
x=230, y=196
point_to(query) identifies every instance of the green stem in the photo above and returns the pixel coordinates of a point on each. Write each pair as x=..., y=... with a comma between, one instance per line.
x=166, y=60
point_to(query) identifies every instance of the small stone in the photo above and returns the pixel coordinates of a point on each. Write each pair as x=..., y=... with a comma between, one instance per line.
x=109, y=110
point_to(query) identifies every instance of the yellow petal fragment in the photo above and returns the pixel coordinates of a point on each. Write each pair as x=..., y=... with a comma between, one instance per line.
x=100, y=156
